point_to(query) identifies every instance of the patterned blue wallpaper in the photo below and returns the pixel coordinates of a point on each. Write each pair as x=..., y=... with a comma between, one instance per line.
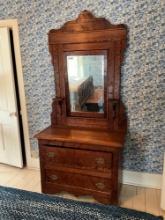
x=142, y=71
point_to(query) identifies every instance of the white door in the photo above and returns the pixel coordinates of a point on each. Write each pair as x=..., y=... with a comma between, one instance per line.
x=10, y=143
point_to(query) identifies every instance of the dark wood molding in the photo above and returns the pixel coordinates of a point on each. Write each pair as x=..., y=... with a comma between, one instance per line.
x=87, y=28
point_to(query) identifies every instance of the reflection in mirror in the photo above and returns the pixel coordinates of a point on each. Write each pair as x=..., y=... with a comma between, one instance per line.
x=86, y=82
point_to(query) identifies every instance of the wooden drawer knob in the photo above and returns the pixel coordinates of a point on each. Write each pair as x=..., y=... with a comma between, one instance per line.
x=100, y=185
x=51, y=154
x=54, y=177
x=100, y=161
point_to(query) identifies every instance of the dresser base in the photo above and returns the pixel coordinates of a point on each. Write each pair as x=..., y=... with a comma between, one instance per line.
x=82, y=168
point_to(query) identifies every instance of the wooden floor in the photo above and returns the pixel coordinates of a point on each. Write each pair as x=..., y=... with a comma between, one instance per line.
x=144, y=199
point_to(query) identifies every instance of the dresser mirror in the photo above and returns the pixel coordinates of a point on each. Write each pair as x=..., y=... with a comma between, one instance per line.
x=86, y=55
x=86, y=77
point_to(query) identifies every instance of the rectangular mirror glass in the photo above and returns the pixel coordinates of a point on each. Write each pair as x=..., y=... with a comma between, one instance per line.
x=86, y=82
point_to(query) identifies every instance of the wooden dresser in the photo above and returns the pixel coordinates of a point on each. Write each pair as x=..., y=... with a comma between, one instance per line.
x=82, y=162
x=80, y=152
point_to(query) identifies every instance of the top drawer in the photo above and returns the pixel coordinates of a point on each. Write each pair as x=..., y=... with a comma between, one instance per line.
x=83, y=159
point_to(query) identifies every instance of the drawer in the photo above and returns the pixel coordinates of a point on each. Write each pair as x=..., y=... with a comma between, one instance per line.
x=78, y=180
x=101, y=161
x=55, y=155
x=82, y=159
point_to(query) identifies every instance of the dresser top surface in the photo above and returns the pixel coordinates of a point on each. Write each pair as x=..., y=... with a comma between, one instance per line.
x=83, y=136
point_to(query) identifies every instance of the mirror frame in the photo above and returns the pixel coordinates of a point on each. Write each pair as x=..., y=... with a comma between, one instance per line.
x=86, y=35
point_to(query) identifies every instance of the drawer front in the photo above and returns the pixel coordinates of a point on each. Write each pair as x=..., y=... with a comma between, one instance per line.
x=78, y=180
x=101, y=161
x=75, y=158
x=55, y=155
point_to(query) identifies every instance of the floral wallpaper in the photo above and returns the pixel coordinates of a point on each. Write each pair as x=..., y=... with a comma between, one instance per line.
x=142, y=78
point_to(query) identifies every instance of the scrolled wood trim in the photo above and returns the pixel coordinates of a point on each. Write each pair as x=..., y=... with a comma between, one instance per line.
x=86, y=21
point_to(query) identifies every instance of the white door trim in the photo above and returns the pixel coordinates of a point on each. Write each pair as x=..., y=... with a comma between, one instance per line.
x=11, y=149
x=13, y=24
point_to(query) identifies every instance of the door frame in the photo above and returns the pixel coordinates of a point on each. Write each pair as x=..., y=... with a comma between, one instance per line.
x=13, y=24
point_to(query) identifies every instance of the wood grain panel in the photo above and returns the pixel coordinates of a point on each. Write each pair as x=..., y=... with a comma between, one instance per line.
x=78, y=180
x=67, y=157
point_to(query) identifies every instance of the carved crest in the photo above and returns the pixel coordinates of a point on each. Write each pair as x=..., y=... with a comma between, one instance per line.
x=86, y=21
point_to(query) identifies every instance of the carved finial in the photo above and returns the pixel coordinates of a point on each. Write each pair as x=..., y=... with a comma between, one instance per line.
x=85, y=15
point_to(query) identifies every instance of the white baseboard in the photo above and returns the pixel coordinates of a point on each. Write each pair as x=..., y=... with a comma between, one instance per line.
x=142, y=179
x=33, y=163
x=129, y=177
